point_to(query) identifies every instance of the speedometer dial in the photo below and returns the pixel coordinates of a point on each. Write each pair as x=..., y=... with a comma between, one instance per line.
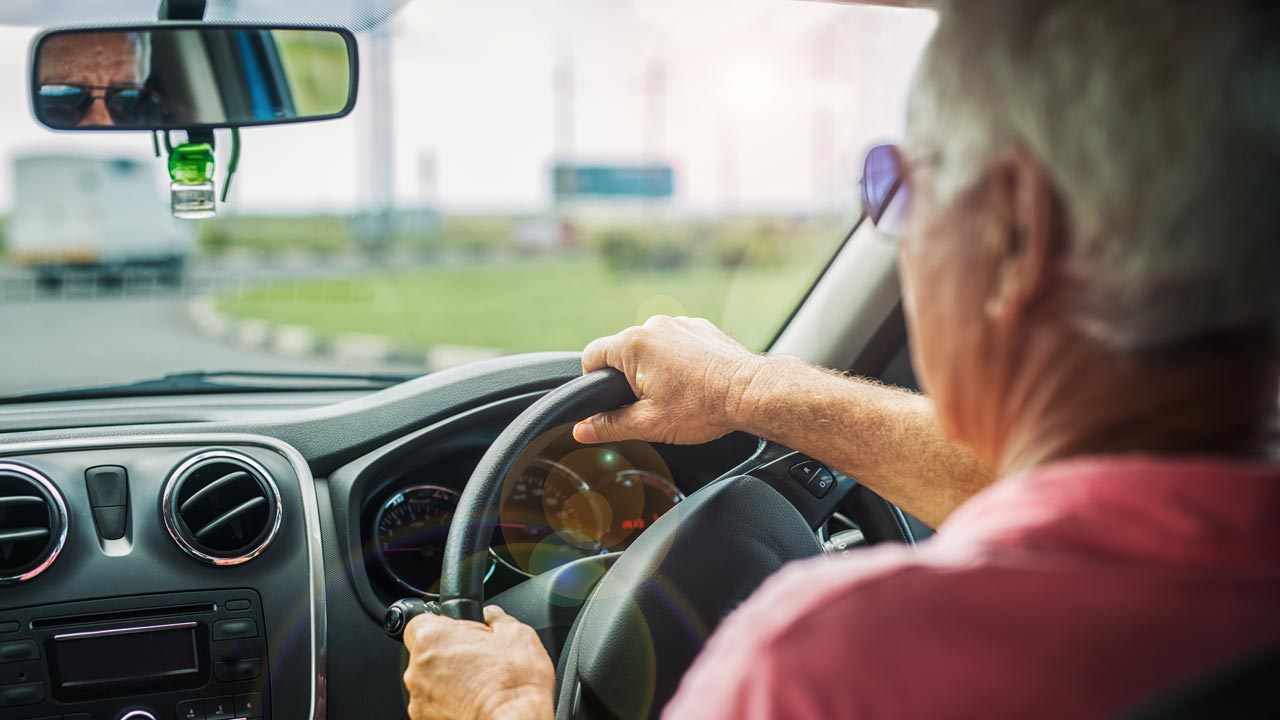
x=530, y=541
x=588, y=501
x=411, y=529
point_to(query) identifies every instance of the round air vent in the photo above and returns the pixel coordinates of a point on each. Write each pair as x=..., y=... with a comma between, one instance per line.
x=221, y=507
x=33, y=523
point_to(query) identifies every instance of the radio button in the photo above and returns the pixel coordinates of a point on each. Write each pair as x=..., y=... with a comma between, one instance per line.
x=237, y=670
x=219, y=708
x=77, y=716
x=249, y=706
x=190, y=710
x=28, y=694
x=21, y=672
x=19, y=650
x=232, y=629
x=238, y=604
x=228, y=650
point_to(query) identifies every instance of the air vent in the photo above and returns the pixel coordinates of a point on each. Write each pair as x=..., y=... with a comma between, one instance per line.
x=33, y=523
x=221, y=507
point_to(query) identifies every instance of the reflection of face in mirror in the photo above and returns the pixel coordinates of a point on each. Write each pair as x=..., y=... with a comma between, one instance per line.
x=163, y=77
x=96, y=80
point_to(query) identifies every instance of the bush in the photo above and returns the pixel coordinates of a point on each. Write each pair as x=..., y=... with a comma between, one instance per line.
x=752, y=243
x=628, y=250
x=476, y=236
x=273, y=235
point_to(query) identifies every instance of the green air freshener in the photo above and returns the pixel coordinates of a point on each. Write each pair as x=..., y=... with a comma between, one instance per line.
x=191, y=190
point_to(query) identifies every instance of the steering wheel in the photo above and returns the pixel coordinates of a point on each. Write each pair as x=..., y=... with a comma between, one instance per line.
x=626, y=626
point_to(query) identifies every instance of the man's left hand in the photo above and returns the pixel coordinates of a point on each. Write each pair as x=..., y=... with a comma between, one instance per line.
x=461, y=670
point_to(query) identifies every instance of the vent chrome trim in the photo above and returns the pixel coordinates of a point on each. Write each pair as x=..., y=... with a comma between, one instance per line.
x=191, y=463
x=62, y=519
x=310, y=516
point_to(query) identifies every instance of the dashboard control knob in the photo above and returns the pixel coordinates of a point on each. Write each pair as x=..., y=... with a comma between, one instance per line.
x=137, y=715
x=402, y=611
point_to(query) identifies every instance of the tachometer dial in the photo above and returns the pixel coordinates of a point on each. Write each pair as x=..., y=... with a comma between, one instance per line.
x=411, y=529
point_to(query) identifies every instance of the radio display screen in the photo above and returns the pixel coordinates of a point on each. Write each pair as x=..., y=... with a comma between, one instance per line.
x=129, y=659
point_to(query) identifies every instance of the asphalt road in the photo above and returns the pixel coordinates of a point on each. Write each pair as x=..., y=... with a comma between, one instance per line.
x=85, y=334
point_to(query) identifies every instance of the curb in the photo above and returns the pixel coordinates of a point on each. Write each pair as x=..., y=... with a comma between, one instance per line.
x=352, y=349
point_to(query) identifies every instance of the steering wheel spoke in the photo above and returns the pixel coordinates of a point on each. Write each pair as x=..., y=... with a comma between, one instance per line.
x=550, y=603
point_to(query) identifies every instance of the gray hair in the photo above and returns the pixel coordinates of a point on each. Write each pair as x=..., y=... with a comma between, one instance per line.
x=1159, y=122
x=143, y=41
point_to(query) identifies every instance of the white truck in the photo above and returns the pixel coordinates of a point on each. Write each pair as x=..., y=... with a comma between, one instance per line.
x=100, y=218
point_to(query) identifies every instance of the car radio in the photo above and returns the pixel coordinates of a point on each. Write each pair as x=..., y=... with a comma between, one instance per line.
x=180, y=656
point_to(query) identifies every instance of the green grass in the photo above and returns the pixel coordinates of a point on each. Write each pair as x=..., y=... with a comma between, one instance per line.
x=529, y=306
x=475, y=235
x=269, y=235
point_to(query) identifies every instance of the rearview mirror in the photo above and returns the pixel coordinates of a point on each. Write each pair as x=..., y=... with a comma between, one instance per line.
x=187, y=76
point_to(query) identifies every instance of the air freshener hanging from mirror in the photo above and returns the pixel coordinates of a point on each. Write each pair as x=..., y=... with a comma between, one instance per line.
x=191, y=194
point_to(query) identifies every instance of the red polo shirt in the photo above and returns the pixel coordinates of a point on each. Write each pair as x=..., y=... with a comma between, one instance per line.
x=1071, y=591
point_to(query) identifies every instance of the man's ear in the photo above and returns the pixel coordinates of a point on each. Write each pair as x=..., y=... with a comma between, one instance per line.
x=1028, y=237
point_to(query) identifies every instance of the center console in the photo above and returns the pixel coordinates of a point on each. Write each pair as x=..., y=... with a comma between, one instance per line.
x=171, y=579
x=189, y=655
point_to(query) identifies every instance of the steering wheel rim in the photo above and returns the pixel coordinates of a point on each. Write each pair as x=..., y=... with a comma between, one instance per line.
x=680, y=557
x=467, y=545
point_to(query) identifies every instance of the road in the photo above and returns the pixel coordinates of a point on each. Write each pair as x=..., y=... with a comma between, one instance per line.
x=90, y=335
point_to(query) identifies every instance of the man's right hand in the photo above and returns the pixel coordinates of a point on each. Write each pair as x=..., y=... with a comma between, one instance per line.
x=692, y=380
x=695, y=384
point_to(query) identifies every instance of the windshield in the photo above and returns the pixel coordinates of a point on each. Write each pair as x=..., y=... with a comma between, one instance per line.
x=515, y=177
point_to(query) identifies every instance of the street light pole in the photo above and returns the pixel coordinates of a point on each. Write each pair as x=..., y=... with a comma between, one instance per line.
x=380, y=141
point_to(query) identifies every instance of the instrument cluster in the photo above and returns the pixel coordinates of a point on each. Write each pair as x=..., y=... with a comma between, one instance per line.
x=562, y=502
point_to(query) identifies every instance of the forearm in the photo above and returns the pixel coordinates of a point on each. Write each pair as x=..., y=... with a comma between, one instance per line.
x=885, y=437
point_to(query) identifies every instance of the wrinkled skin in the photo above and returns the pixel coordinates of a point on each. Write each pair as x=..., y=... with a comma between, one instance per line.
x=103, y=59
x=689, y=376
x=461, y=670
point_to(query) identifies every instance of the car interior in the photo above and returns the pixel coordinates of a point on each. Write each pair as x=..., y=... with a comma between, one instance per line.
x=190, y=82
x=255, y=552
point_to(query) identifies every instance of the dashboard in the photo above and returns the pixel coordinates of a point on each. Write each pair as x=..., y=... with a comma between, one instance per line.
x=232, y=557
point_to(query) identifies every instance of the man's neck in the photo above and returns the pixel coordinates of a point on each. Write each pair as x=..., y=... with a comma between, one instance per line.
x=1214, y=403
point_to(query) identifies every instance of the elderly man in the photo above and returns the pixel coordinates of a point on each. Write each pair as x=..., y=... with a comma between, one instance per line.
x=1092, y=283
x=95, y=79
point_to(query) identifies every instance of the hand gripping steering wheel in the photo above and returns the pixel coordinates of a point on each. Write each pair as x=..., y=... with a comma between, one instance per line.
x=645, y=618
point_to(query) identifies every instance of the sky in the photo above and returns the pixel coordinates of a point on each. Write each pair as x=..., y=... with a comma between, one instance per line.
x=757, y=104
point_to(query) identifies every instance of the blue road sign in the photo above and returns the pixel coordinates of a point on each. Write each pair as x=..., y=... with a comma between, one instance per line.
x=612, y=181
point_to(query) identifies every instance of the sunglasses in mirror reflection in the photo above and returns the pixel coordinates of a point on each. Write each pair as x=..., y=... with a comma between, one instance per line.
x=66, y=105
